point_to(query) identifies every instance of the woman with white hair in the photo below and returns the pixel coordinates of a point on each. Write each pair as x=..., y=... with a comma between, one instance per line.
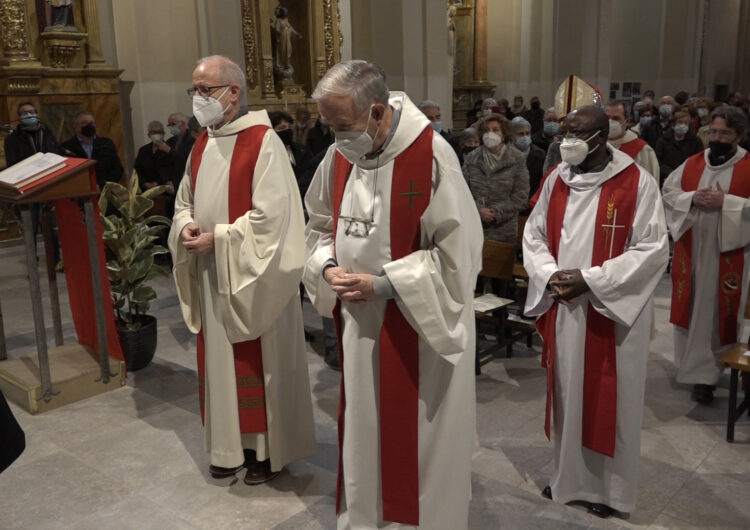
x=534, y=156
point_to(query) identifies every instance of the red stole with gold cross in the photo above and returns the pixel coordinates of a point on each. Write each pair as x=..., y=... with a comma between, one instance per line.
x=633, y=147
x=614, y=219
x=248, y=359
x=411, y=189
x=731, y=263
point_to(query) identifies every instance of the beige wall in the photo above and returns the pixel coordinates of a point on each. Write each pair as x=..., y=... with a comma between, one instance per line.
x=409, y=39
x=534, y=44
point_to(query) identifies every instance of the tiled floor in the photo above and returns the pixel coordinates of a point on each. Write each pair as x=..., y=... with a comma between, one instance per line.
x=133, y=458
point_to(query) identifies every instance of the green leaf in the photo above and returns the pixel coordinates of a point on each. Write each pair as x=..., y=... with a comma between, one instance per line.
x=158, y=219
x=140, y=206
x=154, y=192
x=139, y=270
x=143, y=293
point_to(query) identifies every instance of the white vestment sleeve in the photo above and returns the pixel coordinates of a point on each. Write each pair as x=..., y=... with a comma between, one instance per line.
x=538, y=261
x=647, y=158
x=259, y=257
x=319, y=236
x=734, y=229
x=184, y=268
x=621, y=287
x=678, y=204
x=433, y=286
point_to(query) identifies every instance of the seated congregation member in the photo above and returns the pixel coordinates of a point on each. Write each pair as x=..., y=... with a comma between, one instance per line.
x=627, y=141
x=467, y=142
x=703, y=108
x=595, y=247
x=299, y=155
x=302, y=126
x=643, y=113
x=154, y=164
x=534, y=156
x=677, y=144
x=432, y=111
x=550, y=129
x=86, y=144
x=707, y=202
x=661, y=123
x=394, y=247
x=498, y=179
x=535, y=115
x=181, y=141
x=319, y=137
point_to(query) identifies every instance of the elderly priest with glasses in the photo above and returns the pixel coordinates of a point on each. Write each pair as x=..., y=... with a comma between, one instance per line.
x=238, y=251
x=394, y=247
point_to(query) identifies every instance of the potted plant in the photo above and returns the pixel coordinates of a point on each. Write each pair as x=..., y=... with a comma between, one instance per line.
x=130, y=239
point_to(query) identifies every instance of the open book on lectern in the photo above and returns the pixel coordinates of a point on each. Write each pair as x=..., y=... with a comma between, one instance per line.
x=17, y=178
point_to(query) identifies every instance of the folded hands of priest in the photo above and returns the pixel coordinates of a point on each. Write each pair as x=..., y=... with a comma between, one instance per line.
x=195, y=242
x=356, y=288
x=708, y=198
x=567, y=285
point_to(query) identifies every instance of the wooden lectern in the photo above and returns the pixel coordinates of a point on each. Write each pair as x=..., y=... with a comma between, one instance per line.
x=74, y=181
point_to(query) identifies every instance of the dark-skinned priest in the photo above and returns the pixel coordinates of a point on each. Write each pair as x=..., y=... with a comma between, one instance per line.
x=394, y=235
x=595, y=247
x=237, y=243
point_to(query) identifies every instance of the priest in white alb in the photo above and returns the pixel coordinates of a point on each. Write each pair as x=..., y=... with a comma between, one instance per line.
x=707, y=201
x=627, y=141
x=237, y=242
x=394, y=247
x=595, y=247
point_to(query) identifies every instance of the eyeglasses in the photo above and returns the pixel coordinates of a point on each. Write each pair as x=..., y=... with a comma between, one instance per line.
x=725, y=133
x=204, y=91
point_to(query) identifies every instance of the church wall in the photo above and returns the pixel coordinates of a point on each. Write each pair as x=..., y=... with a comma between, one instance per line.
x=534, y=44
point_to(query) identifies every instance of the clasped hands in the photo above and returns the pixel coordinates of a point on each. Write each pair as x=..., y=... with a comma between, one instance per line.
x=708, y=198
x=567, y=285
x=355, y=288
x=195, y=242
x=487, y=215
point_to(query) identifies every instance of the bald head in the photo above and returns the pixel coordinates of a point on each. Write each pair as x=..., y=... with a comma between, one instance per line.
x=221, y=78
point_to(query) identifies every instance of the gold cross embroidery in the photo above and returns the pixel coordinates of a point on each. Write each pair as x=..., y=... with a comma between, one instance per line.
x=411, y=194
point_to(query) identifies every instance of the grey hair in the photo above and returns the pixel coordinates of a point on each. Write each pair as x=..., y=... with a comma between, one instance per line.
x=231, y=72
x=428, y=104
x=154, y=123
x=490, y=101
x=469, y=132
x=362, y=80
x=179, y=116
x=519, y=122
x=734, y=117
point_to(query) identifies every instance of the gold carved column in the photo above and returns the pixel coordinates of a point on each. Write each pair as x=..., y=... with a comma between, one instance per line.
x=470, y=71
x=15, y=30
x=313, y=53
x=94, y=58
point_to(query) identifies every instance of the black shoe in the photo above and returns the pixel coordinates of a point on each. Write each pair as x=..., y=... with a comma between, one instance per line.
x=547, y=492
x=259, y=472
x=223, y=472
x=309, y=337
x=600, y=510
x=703, y=394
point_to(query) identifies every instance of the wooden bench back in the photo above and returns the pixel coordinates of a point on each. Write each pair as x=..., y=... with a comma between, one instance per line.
x=497, y=260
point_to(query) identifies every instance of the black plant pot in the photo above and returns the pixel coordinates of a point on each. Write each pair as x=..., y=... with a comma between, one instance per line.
x=139, y=346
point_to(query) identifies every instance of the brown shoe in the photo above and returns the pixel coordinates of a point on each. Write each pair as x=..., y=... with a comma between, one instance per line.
x=259, y=472
x=223, y=472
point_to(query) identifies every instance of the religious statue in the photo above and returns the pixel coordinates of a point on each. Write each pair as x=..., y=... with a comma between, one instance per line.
x=284, y=33
x=60, y=15
x=451, y=30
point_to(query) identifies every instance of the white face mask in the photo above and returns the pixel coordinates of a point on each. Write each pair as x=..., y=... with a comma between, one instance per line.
x=615, y=130
x=491, y=140
x=355, y=144
x=575, y=150
x=702, y=112
x=208, y=110
x=156, y=137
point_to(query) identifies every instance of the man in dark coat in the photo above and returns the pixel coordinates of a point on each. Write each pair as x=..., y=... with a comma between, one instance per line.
x=86, y=144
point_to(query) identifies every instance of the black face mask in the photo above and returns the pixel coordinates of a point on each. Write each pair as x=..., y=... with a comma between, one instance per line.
x=719, y=149
x=535, y=105
x=468, y=149
x=88, y=130
x=286, y=136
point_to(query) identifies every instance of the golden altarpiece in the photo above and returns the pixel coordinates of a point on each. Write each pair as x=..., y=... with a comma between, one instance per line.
x=289, y=46
x=51, y=55
x=467, y=42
